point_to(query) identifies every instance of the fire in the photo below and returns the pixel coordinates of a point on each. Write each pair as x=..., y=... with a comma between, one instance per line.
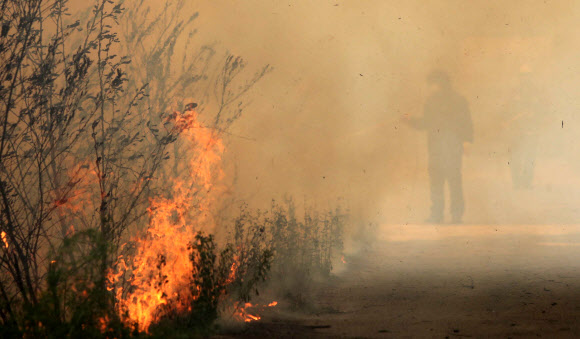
x=160, y=271
x=70, y=231
x=251, y=318
x=3, y=235
x=242, y=312
x=342, y=259
x=233, y=271
x=103, y=323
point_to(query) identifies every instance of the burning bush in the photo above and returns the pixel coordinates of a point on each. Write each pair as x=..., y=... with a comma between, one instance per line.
x=85, y=165
x=215, y=285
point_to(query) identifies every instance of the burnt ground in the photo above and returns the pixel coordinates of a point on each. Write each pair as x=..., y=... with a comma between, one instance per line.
x=444, y=281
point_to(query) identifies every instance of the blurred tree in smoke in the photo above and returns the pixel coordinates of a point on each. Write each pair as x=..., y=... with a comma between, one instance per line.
x=180, y=71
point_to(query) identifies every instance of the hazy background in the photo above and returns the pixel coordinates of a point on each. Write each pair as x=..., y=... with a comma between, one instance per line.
x=326, y=122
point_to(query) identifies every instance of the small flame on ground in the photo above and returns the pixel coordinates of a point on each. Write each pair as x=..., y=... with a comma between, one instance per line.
x=343, y=260
x=250, y=317
x=242, y=312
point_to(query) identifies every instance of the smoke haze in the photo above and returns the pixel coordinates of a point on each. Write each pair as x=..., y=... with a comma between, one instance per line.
x=326, y=123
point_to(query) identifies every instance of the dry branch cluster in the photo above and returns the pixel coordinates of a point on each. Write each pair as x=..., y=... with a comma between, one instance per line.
x=86, y=139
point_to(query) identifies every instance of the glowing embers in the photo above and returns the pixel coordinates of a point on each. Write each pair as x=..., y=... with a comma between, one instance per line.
x=4, y=240
x=248, y=311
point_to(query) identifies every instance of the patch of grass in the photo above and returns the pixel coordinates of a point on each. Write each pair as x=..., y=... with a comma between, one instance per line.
x=303, y=248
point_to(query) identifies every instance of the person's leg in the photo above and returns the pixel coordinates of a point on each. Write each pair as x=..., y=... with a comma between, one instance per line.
x=456, y=195
x=436, y=180
x=456, y=187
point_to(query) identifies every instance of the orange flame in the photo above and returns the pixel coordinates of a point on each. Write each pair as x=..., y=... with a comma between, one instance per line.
x=103, y=323
x=160, y=271
x=242, y=312
x=3, y=235
x=251, y=318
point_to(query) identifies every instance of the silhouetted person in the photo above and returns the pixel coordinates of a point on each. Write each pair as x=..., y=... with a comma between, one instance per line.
x=523, y=112
x=447, y=121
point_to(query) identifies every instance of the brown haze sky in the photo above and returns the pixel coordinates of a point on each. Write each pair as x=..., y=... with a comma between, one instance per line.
x=326, y=122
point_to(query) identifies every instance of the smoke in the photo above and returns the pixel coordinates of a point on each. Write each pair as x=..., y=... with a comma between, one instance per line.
x=326, y=123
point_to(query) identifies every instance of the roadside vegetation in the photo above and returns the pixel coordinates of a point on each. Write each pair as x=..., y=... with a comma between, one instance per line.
x=105, y=136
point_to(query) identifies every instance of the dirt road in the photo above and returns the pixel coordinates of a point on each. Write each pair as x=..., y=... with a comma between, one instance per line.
x=446, y=281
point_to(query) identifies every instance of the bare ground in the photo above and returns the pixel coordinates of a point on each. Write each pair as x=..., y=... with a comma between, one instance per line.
x=444, y=281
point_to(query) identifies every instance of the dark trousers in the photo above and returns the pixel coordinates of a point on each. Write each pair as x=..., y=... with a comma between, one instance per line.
x=445, y=166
